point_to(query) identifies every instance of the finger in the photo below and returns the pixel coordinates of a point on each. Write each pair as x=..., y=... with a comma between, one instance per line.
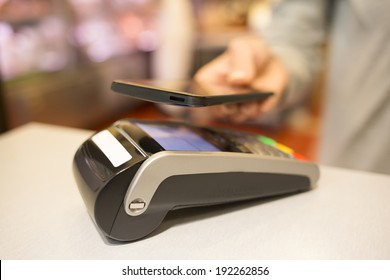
x=211, y=78
x=241, y=62
x=262, y=55
x=213, y=71
x=249, y=110
x=229, y=109
x=268, y=105
x=248, y=56
x=224, y=112
x=274, y=79
x=239, y=118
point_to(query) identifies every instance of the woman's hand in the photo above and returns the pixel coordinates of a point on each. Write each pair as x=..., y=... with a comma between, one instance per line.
x=246, y=65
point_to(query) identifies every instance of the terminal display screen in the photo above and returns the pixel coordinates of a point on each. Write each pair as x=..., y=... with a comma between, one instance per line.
x=177, y=138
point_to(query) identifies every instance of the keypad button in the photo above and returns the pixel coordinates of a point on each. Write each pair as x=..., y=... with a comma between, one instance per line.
x=267, y=140
x=284, y=148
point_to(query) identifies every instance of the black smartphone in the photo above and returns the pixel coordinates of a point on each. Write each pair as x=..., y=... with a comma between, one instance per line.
x=153, y=93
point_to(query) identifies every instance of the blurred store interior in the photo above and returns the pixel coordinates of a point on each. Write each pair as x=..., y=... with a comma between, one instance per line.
x=58, y=59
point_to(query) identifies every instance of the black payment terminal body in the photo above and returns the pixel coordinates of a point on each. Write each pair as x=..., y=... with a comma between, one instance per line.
x=132, y=173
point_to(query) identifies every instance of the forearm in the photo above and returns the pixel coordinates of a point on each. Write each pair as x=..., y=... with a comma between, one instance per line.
x=296, y=36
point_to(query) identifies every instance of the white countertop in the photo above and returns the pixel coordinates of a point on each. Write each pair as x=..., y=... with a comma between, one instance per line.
x=42, y=215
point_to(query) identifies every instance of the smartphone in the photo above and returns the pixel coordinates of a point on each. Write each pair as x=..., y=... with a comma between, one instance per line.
x=153, y=93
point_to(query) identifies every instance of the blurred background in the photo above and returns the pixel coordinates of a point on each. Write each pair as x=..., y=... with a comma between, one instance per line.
x=58, y=58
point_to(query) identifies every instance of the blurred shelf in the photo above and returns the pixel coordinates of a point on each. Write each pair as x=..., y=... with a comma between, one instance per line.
x=78, y=97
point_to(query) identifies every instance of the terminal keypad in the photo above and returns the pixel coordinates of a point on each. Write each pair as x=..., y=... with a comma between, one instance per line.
x=257, y=144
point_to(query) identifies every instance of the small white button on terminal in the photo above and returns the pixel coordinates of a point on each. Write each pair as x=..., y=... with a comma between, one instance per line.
x=137, y=205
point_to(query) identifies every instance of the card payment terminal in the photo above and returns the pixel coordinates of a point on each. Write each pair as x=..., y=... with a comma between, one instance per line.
x=132, y=173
